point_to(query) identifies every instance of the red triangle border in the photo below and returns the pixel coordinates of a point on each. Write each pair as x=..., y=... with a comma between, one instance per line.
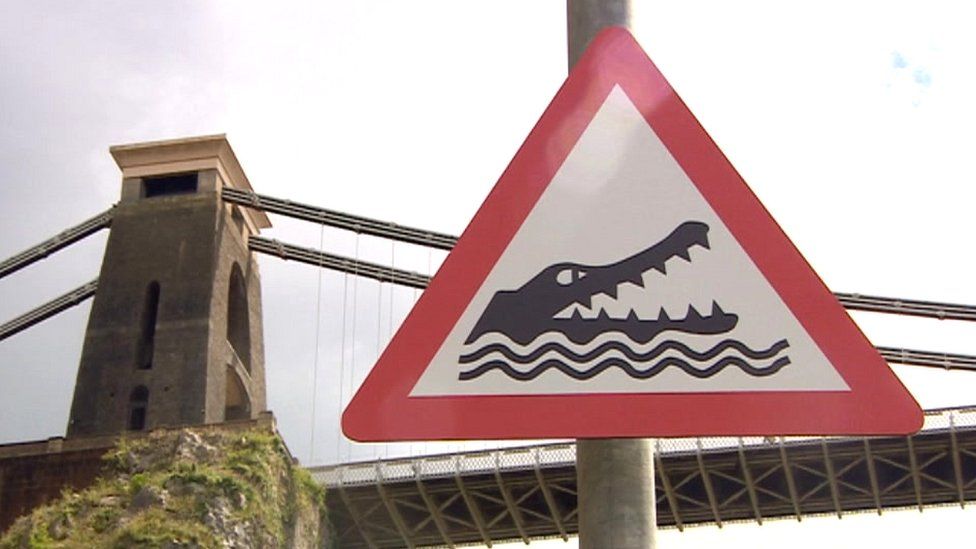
x=382, y=409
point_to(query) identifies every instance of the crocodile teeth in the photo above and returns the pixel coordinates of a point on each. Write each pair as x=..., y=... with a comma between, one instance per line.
x=660, y=268
x=602, y=315
x=576, y=314
x=684, y=254
x=663, y=315
x=611, y=291
x=637, y=279
x=692, y=313
x=631, y=316
x=716, y=309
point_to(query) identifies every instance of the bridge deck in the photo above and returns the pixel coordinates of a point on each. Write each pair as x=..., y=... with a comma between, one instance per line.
x=530, y=492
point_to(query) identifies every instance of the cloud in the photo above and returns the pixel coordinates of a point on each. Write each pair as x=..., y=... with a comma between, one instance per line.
x=922, y=77
x=898, y=60
x=909, y=79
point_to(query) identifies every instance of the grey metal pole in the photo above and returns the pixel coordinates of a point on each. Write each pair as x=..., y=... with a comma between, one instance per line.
x=615, y=488
x=585, y=18
x=615, y=477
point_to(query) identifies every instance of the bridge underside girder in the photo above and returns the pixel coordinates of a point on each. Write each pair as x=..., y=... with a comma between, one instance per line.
x=771, y=479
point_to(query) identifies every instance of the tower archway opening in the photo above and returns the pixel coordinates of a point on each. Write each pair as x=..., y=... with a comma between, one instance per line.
x=138, y=405
x=237, y=405
x=238, y=323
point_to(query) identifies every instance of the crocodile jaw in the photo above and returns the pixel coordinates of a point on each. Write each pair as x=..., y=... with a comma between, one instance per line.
x=524, y=313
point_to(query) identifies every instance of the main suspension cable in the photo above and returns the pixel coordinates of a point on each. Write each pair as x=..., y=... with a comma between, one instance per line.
x=386, y=229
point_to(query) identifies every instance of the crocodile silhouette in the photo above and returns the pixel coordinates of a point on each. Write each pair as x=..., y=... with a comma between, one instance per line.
x=525, y=313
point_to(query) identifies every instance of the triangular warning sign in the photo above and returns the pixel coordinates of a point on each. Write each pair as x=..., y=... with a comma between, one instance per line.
x=621, y=280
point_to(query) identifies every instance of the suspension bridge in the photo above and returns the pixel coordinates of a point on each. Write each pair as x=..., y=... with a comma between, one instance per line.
x=529, y=492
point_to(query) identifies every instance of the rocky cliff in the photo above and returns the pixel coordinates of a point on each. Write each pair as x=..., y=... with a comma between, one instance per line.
x=186, y=489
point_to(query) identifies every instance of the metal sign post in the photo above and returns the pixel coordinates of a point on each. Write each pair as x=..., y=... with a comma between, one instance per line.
x=615, y=477
x=615, y=489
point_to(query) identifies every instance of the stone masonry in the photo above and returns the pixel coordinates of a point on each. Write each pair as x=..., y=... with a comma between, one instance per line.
x=175, y=333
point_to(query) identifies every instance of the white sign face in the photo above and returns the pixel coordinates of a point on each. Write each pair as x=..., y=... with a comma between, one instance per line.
x=623, y=279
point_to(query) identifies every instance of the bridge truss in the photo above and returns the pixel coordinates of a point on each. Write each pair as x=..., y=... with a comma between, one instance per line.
x=530, y=492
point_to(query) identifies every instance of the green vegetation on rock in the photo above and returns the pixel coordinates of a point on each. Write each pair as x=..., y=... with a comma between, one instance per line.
x=187, y=488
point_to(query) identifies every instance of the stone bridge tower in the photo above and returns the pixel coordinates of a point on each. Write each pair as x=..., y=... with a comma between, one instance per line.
x=175, y=335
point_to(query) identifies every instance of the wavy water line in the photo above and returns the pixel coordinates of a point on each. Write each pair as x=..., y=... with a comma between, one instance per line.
x=629, y=353
x=552, y=336
x=568, y=370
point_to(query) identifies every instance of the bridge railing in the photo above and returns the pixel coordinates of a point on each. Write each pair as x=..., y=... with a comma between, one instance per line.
x=563, y=453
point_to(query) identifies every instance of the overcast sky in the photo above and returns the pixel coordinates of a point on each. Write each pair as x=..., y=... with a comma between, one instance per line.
x=852, y=122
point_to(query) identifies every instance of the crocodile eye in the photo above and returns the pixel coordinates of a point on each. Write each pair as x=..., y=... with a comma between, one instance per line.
x=564, y=277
